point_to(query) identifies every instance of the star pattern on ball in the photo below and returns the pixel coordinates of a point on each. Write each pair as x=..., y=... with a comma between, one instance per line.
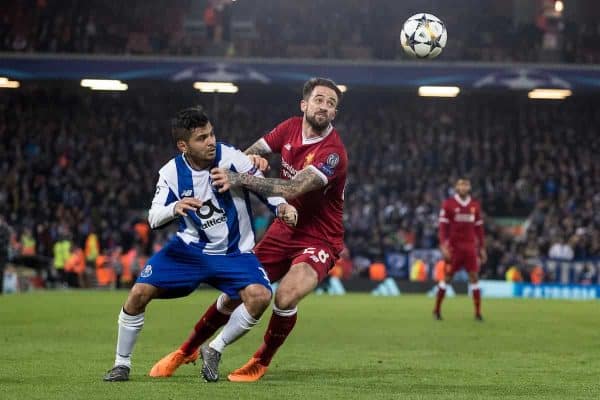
x=423, y=35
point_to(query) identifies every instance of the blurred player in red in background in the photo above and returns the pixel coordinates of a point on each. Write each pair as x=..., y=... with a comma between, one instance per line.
x=461, y=242
x=313, y=176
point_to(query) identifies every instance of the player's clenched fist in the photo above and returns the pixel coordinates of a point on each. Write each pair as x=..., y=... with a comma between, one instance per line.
x=288, y=214
x=185, y=204
x=261, y=163
x=221, y=179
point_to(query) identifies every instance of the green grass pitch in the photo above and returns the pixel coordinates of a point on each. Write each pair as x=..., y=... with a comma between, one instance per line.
x=57, y=345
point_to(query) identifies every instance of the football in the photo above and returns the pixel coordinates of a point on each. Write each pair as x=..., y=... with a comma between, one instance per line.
x=423, y=36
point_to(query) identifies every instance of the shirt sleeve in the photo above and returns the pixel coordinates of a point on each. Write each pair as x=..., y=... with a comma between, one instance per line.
x=241, y=162
x=276, y=138
x=329, y=163
x=444, y=224
x=162, y=210
x=479, y=231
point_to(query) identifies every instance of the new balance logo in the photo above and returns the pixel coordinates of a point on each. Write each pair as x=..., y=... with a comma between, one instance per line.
x=186, y=193
x=288, y=146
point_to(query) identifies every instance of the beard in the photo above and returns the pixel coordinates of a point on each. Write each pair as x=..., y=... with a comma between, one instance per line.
x=201, y=158
x=316, y=125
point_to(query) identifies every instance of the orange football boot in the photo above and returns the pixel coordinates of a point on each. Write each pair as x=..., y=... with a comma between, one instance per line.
x=167, y=365
x=252, y=371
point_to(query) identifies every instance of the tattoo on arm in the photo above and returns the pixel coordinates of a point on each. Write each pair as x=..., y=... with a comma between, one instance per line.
x=305, y=181
x=258, y=148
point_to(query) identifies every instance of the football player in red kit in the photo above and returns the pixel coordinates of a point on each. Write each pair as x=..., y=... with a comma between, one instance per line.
x=461, y=242
x=312, y=178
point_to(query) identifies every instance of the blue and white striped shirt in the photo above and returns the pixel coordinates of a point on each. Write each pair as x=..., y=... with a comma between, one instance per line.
x=223, y=225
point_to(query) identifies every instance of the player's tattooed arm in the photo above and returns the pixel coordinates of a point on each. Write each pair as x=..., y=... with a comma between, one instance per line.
x=305, y=181
x=259, y=148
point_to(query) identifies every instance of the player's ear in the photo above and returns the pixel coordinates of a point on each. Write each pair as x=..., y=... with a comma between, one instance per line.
x=303, y=105
x=182, y=146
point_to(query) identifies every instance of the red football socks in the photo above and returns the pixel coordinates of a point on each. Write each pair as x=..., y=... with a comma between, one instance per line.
x=477, y=301
x=439, y=298
x=278, y=330
x=210, y=322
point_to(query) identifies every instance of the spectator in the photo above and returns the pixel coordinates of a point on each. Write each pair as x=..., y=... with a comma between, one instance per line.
x=56, y=175
x=561, y=250
x=353, y=29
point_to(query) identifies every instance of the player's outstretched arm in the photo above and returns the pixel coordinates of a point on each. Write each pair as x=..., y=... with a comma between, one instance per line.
x=259, y=148
x=305, y=181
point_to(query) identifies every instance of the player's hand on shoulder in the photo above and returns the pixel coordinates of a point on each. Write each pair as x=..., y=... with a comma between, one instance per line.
x=288, y=214
x=224, y=179
x=186, y=204
x=261, y=163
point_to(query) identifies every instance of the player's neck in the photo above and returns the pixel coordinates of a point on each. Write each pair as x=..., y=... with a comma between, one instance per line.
x=197, y=166
x=464, y=198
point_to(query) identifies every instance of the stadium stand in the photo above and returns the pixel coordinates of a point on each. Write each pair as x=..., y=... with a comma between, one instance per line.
x=75, y=162
x=338, y=29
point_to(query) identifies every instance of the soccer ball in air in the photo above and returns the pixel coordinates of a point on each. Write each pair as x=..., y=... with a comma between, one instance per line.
x=423, y=36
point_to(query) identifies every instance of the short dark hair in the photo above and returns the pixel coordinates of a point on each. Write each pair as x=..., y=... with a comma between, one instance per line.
x=186, y=121
x=313, y=82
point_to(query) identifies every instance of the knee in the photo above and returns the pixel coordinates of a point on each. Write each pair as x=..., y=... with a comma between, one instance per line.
x=257, y=297
x=138, y=299
x=286, y=299
x=226, y=304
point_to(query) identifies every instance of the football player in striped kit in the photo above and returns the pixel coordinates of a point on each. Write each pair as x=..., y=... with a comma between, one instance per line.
x=213, y=245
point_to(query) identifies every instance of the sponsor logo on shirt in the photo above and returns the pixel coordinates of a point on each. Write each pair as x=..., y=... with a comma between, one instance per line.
x=287, y=170
x=464, y=218
x=287, y=146
x=207, y=215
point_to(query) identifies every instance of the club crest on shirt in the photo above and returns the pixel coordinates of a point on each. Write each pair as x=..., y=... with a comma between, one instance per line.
x=147, y=271
x=309, y=159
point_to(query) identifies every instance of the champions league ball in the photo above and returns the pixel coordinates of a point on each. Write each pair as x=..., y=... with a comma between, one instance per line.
x=423, y=36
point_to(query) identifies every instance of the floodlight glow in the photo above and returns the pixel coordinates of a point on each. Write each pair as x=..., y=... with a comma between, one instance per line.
x=439, y=91
x=559, y=6
x=216, y=87
x=6, y=83
x=549, y=94
x=104, y=84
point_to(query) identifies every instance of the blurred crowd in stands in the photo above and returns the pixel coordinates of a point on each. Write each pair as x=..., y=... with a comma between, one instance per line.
x=341, y=29
x=78, y=171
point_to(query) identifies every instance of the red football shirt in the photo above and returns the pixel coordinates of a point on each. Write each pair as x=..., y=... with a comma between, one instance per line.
x=460, y=222
x=320, y=212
